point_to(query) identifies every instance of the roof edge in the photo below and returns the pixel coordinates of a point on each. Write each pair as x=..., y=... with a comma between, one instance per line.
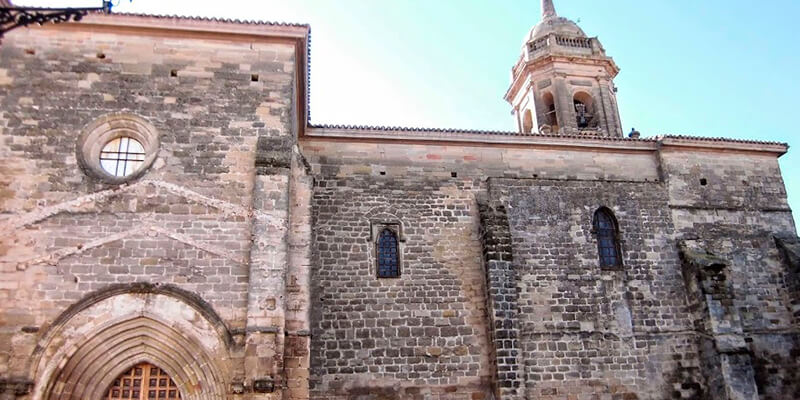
x=198, y=24
x=720, y=143
x=493, y=137
x=474, y=137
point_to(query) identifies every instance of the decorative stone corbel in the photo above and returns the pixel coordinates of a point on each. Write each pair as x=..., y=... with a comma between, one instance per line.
x=701, y=257
x=706, y=267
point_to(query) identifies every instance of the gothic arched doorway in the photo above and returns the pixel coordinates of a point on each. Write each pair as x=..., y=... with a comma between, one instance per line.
x=105, y=339
x=143, y=381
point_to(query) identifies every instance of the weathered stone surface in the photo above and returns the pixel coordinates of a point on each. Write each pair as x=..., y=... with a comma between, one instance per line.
x=243, y=260
x=423, y=331
x=180, y=236
x=502, y=301
x=790, y=247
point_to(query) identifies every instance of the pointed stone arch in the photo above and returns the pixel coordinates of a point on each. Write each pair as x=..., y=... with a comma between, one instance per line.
x=81, y=355
x=380, y=219
x=389, y=212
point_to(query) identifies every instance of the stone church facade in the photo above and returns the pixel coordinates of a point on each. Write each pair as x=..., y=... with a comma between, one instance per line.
x=173, y=227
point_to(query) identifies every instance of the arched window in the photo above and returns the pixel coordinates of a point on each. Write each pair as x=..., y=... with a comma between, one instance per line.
x=605, y=227
x=584, y=110
x=527, y=122
x=550, y=116
x=388, y=255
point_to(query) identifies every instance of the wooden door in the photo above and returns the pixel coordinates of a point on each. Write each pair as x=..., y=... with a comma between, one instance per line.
x=144, y=381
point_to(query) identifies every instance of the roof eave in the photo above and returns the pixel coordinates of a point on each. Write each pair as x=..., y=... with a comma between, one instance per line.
x=722, y=144
x=472, y=137
x=266, y=29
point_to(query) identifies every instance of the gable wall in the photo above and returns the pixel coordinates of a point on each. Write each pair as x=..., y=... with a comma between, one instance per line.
x=186, y=223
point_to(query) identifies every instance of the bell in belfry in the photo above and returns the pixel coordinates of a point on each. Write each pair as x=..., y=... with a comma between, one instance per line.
x=580, y=110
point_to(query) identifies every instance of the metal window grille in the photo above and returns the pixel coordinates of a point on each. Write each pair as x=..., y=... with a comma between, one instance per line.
x=144, y=381
x=388, y=256
x=607, y=241
x=122, y=156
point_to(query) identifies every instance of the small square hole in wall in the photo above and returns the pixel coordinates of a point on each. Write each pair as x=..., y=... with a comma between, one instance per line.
x=454, y=174
x=30, y=51
x=173, y=73
x=703, y=182
x=383, y=172
x=101, y=55
x=254, y=78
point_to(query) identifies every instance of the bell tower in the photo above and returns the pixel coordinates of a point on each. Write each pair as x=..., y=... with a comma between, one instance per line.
x=563, y=81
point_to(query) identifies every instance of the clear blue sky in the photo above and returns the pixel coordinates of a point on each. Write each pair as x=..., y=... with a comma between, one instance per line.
x=706, y=68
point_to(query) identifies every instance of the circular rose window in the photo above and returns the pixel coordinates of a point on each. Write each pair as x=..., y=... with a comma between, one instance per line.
x=117, y=148
x=122, y=156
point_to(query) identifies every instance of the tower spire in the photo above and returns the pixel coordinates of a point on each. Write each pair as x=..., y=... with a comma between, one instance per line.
x=548, y=9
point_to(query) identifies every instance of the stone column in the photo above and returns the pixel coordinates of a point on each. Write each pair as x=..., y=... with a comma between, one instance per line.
x=263, y=364
x=538, y=107
x=534, y=109
x=565, y=109
x=502, y=305
x=298, y=325
x=612, y=123
x=601, y=110
x=724, y=356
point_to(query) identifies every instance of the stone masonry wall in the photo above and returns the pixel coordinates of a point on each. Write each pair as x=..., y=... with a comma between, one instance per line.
x=612, y=332
x=264, y=248
x=592, y=331
x=186, y=222
x=420, y=336
x=735, y=216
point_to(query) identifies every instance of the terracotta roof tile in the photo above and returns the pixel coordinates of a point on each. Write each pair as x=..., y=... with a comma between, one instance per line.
x=720, y=139
x=389, y=129
x=211, y=19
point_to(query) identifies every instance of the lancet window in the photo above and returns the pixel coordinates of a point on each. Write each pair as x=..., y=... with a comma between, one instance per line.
x=607, y=231
x=388, y=254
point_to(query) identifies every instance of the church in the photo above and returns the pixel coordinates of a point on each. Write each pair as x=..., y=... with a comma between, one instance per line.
x=173, y=227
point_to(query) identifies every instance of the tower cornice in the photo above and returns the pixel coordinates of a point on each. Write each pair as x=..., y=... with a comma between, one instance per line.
x=541, y=63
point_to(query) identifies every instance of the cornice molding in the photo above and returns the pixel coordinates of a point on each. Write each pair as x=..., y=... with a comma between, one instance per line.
x=550, y=60
x=538, y=140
